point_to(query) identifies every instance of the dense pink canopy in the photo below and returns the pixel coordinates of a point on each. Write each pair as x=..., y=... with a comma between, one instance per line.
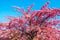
x=32, y=25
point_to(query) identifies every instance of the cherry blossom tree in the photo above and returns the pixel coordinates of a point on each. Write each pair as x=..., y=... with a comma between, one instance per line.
x=32, y=25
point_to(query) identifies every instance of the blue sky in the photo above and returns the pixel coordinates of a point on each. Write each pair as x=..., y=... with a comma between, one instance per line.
x=7, y=10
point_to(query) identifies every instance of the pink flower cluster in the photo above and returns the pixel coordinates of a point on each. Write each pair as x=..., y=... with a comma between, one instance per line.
x=32, y=25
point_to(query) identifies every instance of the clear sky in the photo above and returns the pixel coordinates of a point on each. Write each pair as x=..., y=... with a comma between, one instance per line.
x=7, y=10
